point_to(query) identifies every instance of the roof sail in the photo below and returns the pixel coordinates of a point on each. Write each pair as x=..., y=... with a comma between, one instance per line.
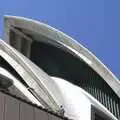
x=61, y=56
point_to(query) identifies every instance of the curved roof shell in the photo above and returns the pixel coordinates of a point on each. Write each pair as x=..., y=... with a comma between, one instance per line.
x=59, y=38
x=40, y=81
x=37, y=81
x=33, y=31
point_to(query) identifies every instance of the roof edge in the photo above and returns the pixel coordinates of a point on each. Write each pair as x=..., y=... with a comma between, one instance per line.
x=66, y=41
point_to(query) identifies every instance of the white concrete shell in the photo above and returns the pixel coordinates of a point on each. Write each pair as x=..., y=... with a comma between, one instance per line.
x=18, y=88
x=64, y=41
x=38, y=81
x=76, y=101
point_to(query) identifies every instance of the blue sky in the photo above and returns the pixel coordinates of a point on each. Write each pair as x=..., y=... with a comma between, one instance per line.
x=94, y=23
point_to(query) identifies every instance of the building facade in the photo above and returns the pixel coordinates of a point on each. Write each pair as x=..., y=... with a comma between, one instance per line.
x=55, y=70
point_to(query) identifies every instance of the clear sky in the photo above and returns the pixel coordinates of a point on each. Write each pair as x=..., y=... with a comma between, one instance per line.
x=94, y=23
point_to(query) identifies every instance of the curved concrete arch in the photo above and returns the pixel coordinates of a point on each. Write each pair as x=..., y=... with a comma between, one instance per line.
x=31, y=73
x=18, y=88
x=38, y=81
x=62, y=40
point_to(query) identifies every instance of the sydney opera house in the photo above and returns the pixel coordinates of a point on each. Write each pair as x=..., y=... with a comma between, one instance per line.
x=50, y=70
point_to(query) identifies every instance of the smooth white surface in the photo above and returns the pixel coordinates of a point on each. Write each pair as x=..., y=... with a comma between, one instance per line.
x=75, y=103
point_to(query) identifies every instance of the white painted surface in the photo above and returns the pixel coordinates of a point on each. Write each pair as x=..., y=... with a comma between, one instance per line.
x=76, y=101
x=77, y=106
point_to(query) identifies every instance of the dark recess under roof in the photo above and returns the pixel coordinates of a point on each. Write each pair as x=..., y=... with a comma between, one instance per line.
x=57, y=62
